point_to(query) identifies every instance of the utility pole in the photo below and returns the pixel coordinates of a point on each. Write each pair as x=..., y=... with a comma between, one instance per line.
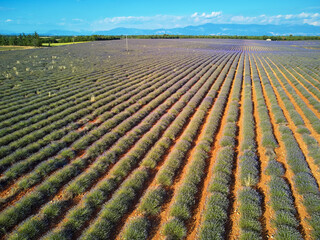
x=127, y=48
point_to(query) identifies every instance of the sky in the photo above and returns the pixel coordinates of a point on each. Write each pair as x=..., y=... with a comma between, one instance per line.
x=98, y=15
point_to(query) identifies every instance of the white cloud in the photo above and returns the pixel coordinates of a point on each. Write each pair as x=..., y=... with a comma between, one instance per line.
x=316, y=23
x=152, y=22
x=171, y=21
x=206, y=15
x=312, y=22
x=194, y=15
x=242, y=19
x=8, y=20
x=304, y=15
x=293, y=19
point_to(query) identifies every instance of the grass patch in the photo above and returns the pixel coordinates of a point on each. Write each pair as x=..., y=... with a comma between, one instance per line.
x=11, y=48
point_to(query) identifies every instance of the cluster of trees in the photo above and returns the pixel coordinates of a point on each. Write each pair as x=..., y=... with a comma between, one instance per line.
x=36, y=40
x=21, y=40
x=65, y=39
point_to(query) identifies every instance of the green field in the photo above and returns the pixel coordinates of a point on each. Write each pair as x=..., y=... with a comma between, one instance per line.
x=60, y=44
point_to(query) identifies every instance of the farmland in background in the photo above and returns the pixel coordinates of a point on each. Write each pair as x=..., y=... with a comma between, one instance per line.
x=173, y=139
x=59, y=44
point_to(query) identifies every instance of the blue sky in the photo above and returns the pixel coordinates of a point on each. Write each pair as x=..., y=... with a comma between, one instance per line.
x=80, y=15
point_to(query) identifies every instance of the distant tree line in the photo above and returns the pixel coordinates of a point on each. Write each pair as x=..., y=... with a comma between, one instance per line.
x=36, y=40
x=65, y=39
x=21, y=40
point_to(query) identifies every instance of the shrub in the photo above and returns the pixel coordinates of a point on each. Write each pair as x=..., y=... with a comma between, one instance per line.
x=136, y=229
x=274, y=168
x=174, y=229
x=287, y=232
x=151, y=202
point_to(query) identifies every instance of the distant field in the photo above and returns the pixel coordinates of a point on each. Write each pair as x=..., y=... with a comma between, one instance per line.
x=175, y=139
x=60, y=44
x=10, y=48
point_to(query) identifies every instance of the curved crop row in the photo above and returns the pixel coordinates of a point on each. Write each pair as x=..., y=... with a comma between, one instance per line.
x=121, y=170
x=304, y=181
x=35, y=84
x=99, y=100
x=64, y=103
x=116, y=109
x=95, y=230
x=73, y=169
x=145, y=162
x=310, y=115
x=40, y=171
x=249, y=197
x=284, y=219
x=180, y=211
x=215, y=213
x=307, y=134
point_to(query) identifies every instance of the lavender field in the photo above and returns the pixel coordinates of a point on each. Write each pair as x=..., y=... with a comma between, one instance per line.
x=173, y=139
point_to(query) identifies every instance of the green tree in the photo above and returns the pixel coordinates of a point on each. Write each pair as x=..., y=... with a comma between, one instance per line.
x=36, y=40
